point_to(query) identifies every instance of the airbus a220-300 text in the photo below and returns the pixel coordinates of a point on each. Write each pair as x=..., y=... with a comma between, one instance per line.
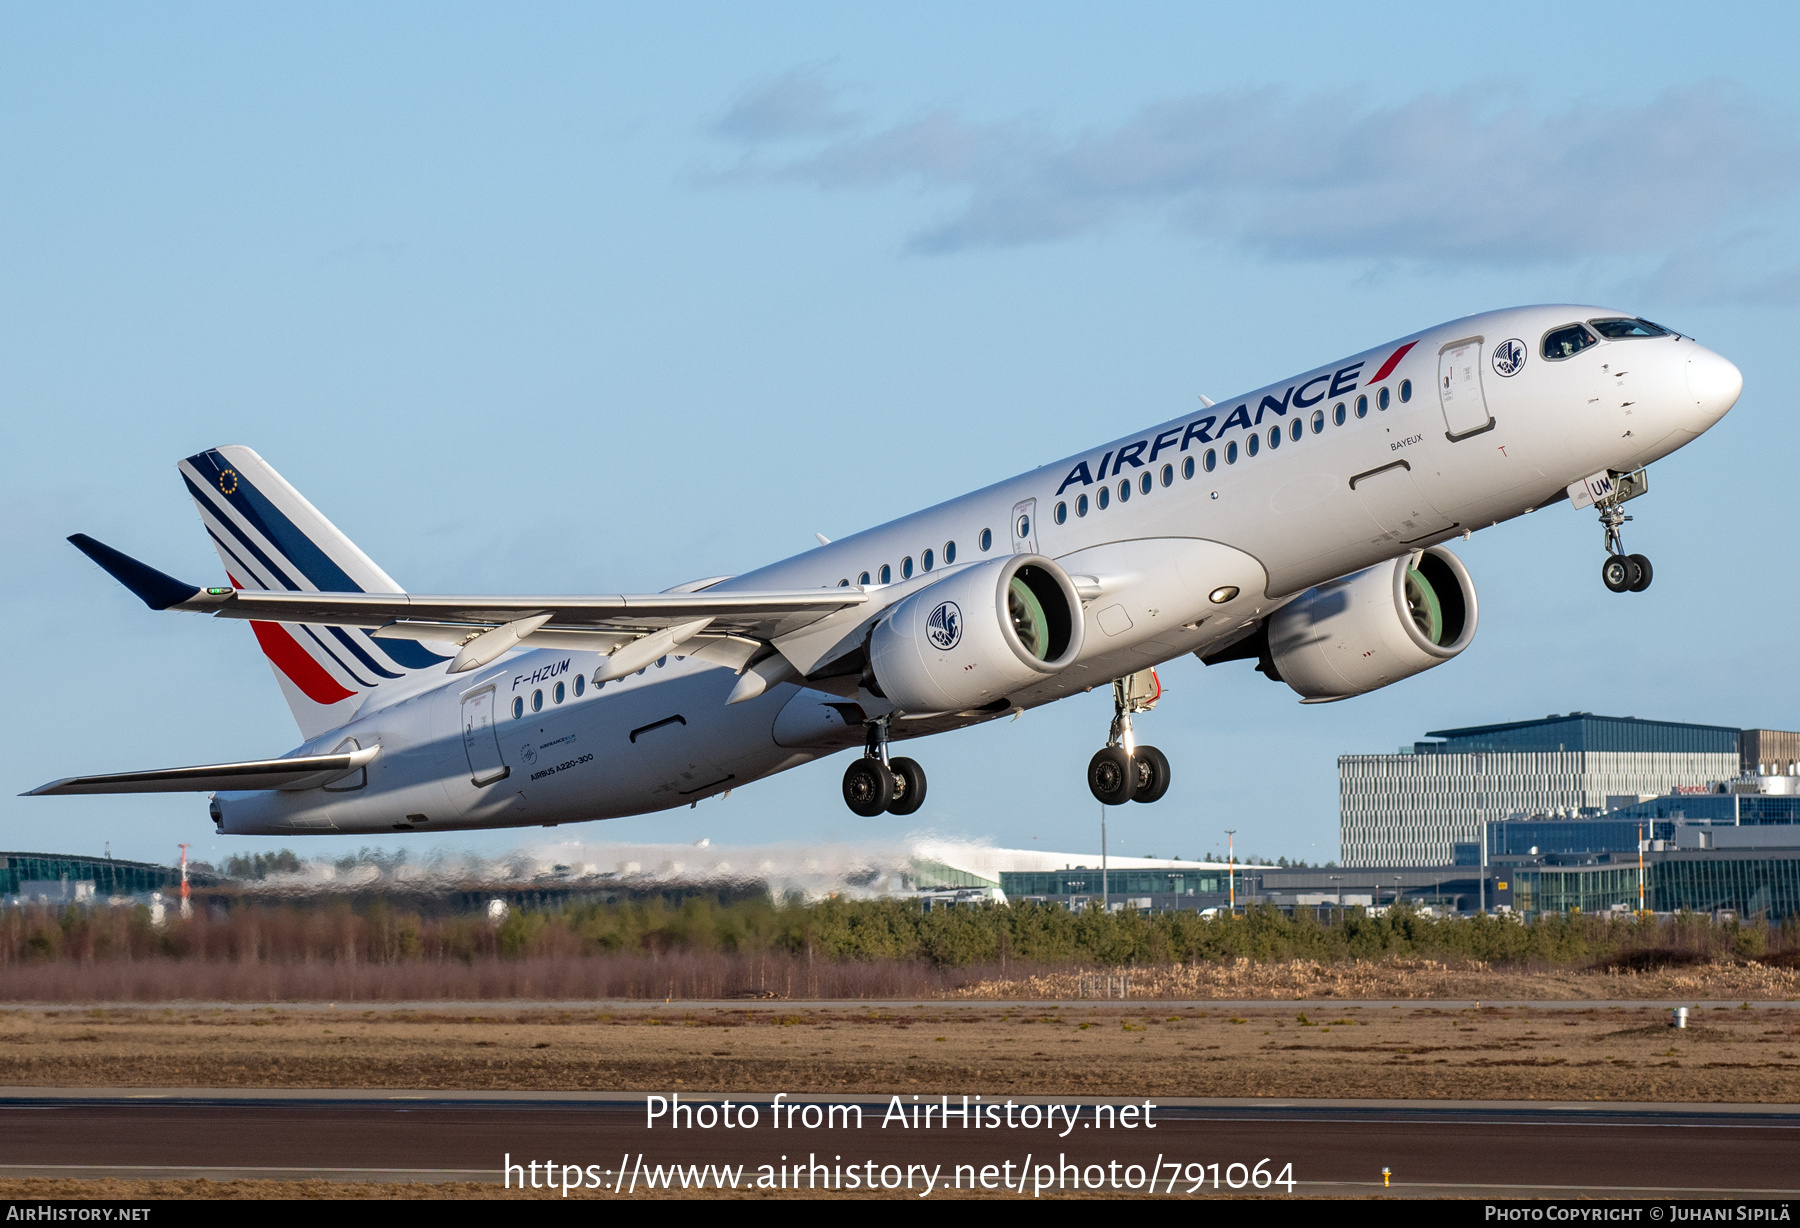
x=1300, y=526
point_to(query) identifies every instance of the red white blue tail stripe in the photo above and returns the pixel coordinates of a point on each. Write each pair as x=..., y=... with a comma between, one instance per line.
x=271, y=539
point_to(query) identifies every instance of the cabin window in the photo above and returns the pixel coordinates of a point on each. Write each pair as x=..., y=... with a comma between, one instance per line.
x=1168, y=475
x=985, y=540
x=1567, y=342
x=1253, y=445
x=928, y=559
x=1125, y=490
x=1295, y=428
x=863, y=580
x=887, y=574
x=1318, y=421
x=1337, y=413
x=1405, y=391
x=580, y=684
x=537, y=701
x=518, y=706
x=906, y=568
x=1145, y=481
x=1381, y=398
x=1621, y=330
x=1362, y=407
x=1231, y=453
x=949, y=553
x=1102, y=497
x=843, y=584
x=558, y=693
x=1081, y=505
x=1062, y=513
x=1187, y=466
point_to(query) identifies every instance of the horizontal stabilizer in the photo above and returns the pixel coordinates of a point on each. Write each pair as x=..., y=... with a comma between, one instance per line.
x=299, y=772
x=156, y=590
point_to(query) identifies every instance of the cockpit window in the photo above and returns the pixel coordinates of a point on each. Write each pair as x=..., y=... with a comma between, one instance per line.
x=1615, y=330
x=1567, y=342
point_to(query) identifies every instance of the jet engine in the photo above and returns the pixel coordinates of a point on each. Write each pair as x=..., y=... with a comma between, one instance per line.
x=1357, y=634
x=977, y=635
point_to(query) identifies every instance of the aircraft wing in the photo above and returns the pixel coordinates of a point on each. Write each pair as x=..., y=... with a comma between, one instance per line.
x=727, y=626
x=299, y=772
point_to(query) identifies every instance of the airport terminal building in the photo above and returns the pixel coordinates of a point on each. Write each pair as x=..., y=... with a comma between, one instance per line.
x=1416, y=807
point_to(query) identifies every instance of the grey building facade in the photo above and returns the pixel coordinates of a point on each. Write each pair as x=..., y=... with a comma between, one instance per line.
x=1414, y=808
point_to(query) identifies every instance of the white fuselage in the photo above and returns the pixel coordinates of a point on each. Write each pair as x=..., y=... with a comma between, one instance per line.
x=1270, y=525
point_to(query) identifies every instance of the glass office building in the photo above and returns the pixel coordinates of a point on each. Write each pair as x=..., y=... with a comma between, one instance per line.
x=1415, y=807
x=110, y=877
x=1749, y=882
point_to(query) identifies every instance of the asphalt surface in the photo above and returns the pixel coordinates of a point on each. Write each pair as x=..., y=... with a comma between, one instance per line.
x=1474, y=1149
x=619, y=1005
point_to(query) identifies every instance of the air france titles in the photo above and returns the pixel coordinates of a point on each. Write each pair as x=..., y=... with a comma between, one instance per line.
x=1298, y=396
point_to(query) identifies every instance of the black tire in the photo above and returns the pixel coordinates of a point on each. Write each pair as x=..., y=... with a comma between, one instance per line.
x=1617, y=573
x=868, y=787
x=1152, y=773
x=909, y=786
x=1644, y=573
x=1111, y=776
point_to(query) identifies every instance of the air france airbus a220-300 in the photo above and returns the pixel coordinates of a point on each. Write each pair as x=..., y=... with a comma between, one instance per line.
x=1299, y=526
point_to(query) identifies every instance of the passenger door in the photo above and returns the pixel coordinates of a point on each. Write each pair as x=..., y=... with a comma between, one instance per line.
x=1459, y=389
x=481, y=740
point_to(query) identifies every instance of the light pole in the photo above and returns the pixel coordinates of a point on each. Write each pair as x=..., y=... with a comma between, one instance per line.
x=1105, y=902
x=1484, y=851
x=1339, y=880
x=1231, y=867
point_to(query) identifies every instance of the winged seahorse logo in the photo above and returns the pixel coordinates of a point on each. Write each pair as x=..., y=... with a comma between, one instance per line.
x=1509, y=357
x=943, y=626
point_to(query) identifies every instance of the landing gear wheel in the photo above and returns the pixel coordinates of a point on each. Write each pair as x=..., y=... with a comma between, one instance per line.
x=909, y=785
x=1617, y=573
x=1644, y=573
x=1152, y=774
x=868, y=787
x=1112, y=778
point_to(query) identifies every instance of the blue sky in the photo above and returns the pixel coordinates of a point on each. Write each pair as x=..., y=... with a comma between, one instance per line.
x=590, y=299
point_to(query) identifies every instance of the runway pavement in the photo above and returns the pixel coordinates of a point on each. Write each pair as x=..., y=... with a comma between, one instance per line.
x=1432, y=1148
x=787, y=1005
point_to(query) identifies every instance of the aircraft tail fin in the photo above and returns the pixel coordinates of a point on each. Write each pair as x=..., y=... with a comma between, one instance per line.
x=271, y=539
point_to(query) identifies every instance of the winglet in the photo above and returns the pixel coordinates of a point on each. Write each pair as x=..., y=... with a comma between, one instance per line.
x=156, y=590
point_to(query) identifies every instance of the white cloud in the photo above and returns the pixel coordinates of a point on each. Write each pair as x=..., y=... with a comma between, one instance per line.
x=798, y=103
x=1462, y=179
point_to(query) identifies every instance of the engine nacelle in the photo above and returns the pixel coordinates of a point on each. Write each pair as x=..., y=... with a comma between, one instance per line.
x=1357, y=634
x=977, y=636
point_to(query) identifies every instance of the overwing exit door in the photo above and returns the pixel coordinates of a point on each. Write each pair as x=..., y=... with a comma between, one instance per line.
x=1459, y=390
x=1024, y=527
x=481, y=741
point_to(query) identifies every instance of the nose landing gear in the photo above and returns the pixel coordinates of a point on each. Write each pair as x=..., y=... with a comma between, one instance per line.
x=1122, y=771
x=876, y=783
x=1606, y=491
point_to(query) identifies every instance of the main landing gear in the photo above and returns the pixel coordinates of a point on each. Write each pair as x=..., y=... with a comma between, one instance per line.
x=1122, y=771
x=877, y=783
x=1621, y=572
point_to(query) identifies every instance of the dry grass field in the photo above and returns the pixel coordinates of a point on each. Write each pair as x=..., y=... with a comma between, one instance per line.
x=1409, y=1051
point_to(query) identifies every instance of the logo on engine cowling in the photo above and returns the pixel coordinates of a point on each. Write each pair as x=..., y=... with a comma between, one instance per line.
x=944, y=626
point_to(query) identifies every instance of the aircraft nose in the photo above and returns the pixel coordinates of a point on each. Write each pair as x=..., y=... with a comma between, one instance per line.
x=1715, y=383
